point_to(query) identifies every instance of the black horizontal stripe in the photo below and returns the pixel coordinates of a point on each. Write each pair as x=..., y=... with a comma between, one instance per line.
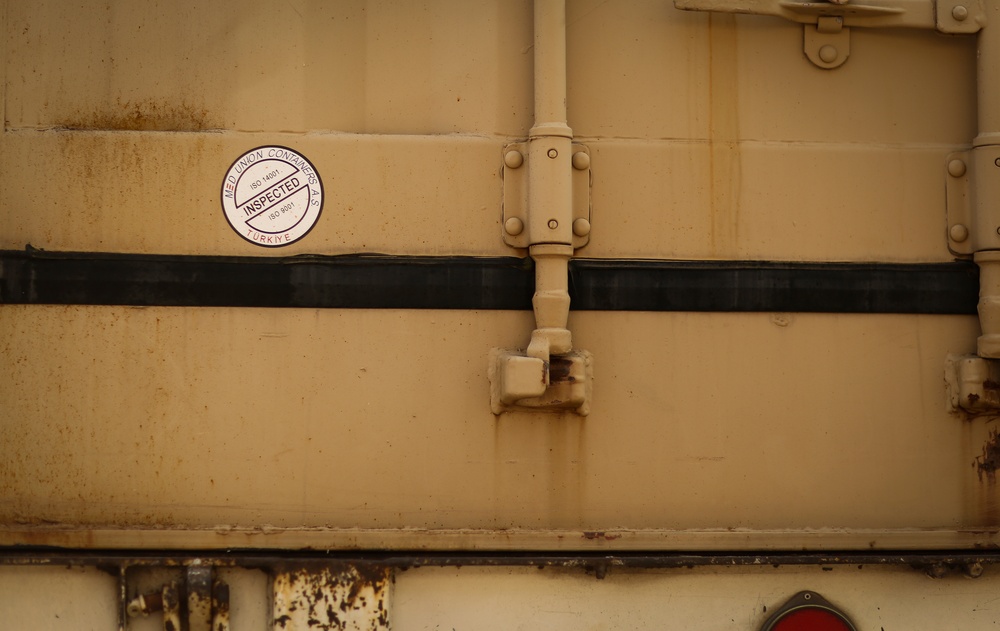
x=429, y=282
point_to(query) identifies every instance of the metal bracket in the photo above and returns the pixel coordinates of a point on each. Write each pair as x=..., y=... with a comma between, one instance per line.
x=826, y=30
x=972, y=181
x=956, y=17
x=199, y=602
x=828, y=44
x=525, y=383
x=973, y=383
x=514, y=219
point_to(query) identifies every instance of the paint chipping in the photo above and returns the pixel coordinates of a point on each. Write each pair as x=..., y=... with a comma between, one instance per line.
x=351, y=598
x=988, y=461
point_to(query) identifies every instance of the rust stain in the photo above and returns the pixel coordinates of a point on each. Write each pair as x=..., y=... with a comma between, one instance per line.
x=599, y=534
x=973, y=397
x=988, y=462
x=559, y=369
x=991, y=385
x=148, y=115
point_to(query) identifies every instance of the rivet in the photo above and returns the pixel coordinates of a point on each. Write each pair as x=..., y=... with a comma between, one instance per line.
x=581, y=161
x=828, y=54
x=973, y=570
x=956, y=168
x=513, y=226
x=997, y=162
x=958, y=233
x=959, y=13
x=998, y=229
x=581, y=227
x=553, y=224
x=513, y=159
x=552, y=153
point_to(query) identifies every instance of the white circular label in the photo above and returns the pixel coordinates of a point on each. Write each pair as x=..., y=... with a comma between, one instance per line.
x=272, y=196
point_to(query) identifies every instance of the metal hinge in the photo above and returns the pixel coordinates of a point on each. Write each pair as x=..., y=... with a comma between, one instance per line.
x=514, y=221
x=973, y=186
x=198, y=602
x=827, y=24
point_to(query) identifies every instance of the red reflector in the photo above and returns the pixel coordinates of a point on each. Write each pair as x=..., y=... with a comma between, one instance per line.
x=811, y=619
x=808, y=611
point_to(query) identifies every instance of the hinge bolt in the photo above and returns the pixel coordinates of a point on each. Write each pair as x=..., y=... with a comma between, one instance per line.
x=973, y=570
x=513, y=159
x=581, y=161
x=553, y=224
x=828, y=54
x=960, y=13
x=513, y=226
x=552, y=153
x=958, y=233
x=581, y=227
x=956, y=168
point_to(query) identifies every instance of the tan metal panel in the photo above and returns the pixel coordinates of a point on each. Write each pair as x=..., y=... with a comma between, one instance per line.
x=711, y=137
x=646, y=70
x=243, y=418
x=767, y=201
x=731, y=144
x=356, y=66
x=160, y=193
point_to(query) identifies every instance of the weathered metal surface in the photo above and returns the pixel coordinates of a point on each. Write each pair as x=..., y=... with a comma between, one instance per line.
x=988, y=461
x=345, y=598
x=172, y=619
x=475, y=474
x=364, y=429
x=220, y=606
x=509, y=591
x=702, y=154
x=198, y=584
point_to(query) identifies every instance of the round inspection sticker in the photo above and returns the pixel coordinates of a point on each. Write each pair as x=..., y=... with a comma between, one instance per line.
x=272, y=196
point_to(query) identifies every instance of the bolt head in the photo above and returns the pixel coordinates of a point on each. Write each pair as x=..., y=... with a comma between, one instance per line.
x=958, y=233
x=581, y=227
x=956, y=168
x=553, y=224
x=513, y=226
x=828, y=54
x=581, y=161
x=960, y=13
x=513, y=159
x=552, y=153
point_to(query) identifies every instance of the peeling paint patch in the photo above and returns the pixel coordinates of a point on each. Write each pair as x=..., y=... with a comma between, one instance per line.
x=988, y=462
x=334, y=599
